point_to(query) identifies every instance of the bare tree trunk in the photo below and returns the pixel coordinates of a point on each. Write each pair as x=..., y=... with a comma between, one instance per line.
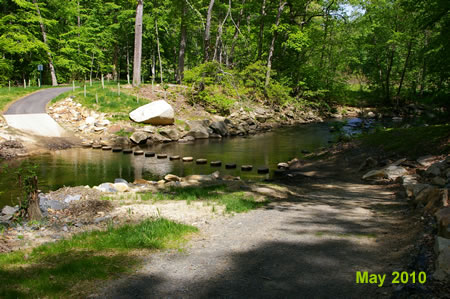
x=219, y=33
x=115, y=61
x=424, y=67
x=181, y=54
x=236, y=33
x=128, y=62
x=44, y=37
x=261, y=29
x=34, y=211
x=208, y=29
x=153, y=70
x=138, y=44
x=404, y=68
x=159, y=52
x=272, y=45
x=388, y=75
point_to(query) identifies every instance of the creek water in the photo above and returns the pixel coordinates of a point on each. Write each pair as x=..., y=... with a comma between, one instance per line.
x=74, y=167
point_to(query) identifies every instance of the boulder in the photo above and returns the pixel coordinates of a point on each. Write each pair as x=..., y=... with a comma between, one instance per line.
x=434, y=169
x=172, y=178
x=442, y=249
x=283, y=165
x=139, y=137
x=391, y=172
x=55, y=205
x=155, y=113
x=159, y=138
x=198, y=129
x=170, y=133
x=438, y=181
x=412, y=190
x=443, y=222
x=426, y=160
x=428, y=194
x=219, y=127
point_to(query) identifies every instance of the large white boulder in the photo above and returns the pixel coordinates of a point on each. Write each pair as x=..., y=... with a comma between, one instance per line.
x=155, y=113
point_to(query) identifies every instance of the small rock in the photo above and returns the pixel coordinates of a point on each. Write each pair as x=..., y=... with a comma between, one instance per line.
x=283, y=165
x=71, y=198
x=121, y=187
x=170, y=133
x=56, y=205
x=120, y=181
x=434, y=170
x=7, y=210
x=101, y=219
x=106, y=187
x=438, y=181
x=172, y=178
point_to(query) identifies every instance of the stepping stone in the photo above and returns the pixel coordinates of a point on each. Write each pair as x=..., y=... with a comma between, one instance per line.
x=246, y=167
x=188, y=159
x=174, y=158
x=149, y=154
x=106, y=148
x=117, y=149
x=216, y=163
x=128, y=151
x=283, y=165
x=86, y=144
x=97, y=146
x=138, y=153
x=263, y=170
x=201, y=161
x=161, y=156
x=230, y=166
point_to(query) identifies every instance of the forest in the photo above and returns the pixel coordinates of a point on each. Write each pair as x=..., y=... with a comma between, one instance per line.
x=382, y=52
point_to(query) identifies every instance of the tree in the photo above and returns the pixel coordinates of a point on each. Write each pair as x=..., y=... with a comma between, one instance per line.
x=272, y=45
x=138, y=44
x=208, y=29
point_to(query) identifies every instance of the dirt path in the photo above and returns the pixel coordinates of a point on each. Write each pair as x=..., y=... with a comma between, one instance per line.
x=309, y=245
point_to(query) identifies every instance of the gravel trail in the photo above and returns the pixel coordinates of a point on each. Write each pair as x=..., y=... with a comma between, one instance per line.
x=309, y=245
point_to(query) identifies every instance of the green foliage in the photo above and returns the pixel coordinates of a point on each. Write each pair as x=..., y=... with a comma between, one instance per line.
x=75, y=264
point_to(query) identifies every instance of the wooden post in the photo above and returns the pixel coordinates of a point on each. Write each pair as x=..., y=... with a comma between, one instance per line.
x=137, y=97
x=29, y=82
x=85, y=90
x=39, y=82
x=90, y=80
x=73, y=85
x=9, y=86
x=128, y=79
x=24, y=83
x=96, y=98
x=103, y=82
x=118, y=89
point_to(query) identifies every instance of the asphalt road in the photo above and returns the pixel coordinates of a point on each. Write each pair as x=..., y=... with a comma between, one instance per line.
x=36, y=102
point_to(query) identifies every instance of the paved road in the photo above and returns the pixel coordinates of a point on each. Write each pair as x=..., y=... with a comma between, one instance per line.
x=36, y=102
x=29, y=114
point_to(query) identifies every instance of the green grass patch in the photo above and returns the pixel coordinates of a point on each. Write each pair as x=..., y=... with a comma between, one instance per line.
x=411, y=142
x=106, y=100
x=219, y=194
x=7, y=96
x=69, y=268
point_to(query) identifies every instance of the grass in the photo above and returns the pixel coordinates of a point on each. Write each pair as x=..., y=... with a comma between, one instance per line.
x=108, y=101
x=70, y=268
x=233, y=201
x=411, y=142
x=7, y=96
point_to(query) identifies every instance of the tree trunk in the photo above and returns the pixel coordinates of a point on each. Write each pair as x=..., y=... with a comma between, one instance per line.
x=159, y=52
x=138, y=44
x=261, y=29
x=128, y=62
x=181, y=54
x=208, y=29
x=388, y=75
x=219, y=34
x=424, y=66
x=236, y=33
x=272, y=45
x=44, y=37
x=404, y=68
x=115, y=62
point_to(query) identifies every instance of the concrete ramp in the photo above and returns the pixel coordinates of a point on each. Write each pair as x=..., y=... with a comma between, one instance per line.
x=38, y=124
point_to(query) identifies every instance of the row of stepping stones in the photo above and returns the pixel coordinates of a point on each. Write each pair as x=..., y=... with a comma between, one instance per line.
x=261, y=170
